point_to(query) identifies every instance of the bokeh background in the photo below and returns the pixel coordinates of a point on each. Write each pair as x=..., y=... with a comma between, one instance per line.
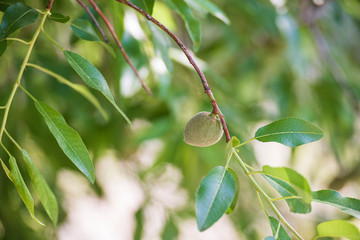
x=273, y=59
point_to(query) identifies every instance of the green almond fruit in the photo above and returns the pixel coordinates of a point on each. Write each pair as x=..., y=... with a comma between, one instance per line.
x=203, y=130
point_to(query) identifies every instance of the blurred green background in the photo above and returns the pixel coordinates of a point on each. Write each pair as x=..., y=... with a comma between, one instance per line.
x=274, y=59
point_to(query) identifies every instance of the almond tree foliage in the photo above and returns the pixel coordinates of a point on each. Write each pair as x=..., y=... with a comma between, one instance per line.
x=65, y=98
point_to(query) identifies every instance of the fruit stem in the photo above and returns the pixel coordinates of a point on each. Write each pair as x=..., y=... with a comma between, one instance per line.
x=216, y=109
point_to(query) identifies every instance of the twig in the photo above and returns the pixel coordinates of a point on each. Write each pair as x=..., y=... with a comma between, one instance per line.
x=127, y=59
x=94, y=20
x=216, y=109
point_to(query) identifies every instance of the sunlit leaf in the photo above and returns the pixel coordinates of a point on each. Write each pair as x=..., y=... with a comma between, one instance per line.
x=92, y=77
x=58, y=17
x=77, y=87
x=68, y=139
x=5, y=168
x=270, y=238
x=348, y=205
x=21, y=188
x=211, y=8
x=337, y=228
x=294, y=178
x=291, y=132
x=84, y=30
x=15, y=17
x=274, y=223
x=191, y=23
x=3, y=45
x=214, y=197
x=296, y=205
x=146, y=5
x=237, y=189
x=42, y=189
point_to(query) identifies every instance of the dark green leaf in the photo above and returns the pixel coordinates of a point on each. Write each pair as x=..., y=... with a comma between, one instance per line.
x=348, y=205
x=191, y=23
x=294, y=178
x=42, y=189
x=84, y=30
x=291, y=132
x=337, y=228
x=58, y=17
x=146, y=5
x=3, y=45
x=274, y=223
x=4, y=6
x=15, y=17
x=214, y=197
x=68, y=139
x=92, y=77
x=211, y=8
x=296, y=205
x=21, y=187
x=237, y=189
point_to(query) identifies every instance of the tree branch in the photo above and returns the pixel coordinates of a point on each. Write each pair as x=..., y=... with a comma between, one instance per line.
x=216, y=109
x=94, y=20
x=112, y=31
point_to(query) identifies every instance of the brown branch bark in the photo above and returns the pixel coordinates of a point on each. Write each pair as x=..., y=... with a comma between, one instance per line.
x=94, y=20
x=216, y=109
x=127, y=59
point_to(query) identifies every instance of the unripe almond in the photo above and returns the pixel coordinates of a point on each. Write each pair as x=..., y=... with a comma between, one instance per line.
x=203, y=130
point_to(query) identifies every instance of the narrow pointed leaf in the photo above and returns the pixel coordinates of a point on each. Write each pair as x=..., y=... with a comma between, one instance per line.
x=3, y=45
x=85, y=92
x=214, y=197
x=291, y=132
x=348, y=205
x=237, y=189
x=92, y=77
x=274, y=223
x=296, y=205
x=191, y=23
x=211, y=8
x=146, y=5
x=84, y=30
x=337, y=228
x=42, y=189
x=58, y=17
x=16, y=16
x=6, y=170
x=21, y=188
x=68, y=139
x=297, y=181
x=270, y=238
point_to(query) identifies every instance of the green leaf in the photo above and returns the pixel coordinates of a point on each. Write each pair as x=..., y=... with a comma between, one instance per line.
x=296, y=205
x=231, y=144
x=77, y=87
x=92, y=77
x=84, y=30
x=337, y=228
x=270, y=238
x=161, y=46
x=274, y=223
x=6, y=170
x=214, y=197
x=291, y=132
x=16, y=16
x=58, y=17
x=68, y=139
x=146, y=5
x=237, y=189
x=3, y=45
x=191, y=23
x=348, y=205
x=294, y=178
x=42, y=189
x=21, y=188
x=210, y=8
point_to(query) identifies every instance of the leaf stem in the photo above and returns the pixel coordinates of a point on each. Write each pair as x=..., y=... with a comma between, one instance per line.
x=18, y=40
x=53, y=40
x=12, y=139
x=266, y=197
x=284, y=198
x=243, y=143
x=2, y=107
x=113, y=34
x=28, y=93
x=216, y=109
x=6, y=150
